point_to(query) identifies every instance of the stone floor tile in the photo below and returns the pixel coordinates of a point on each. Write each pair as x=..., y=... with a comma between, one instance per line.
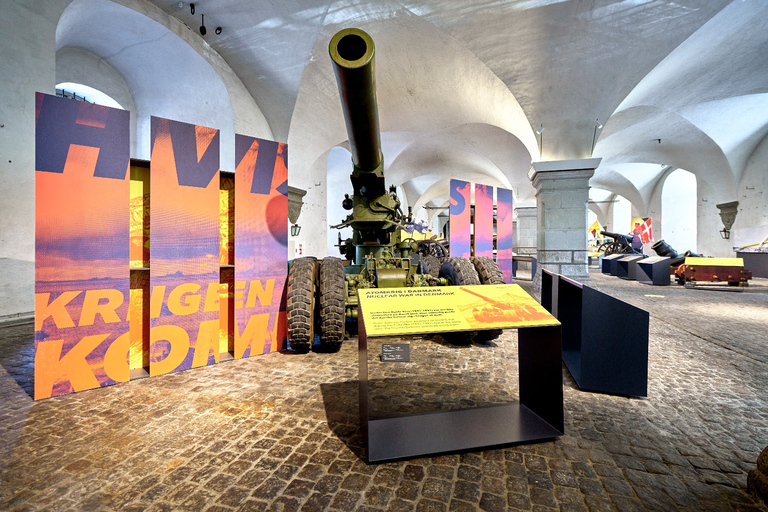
x=203, y=440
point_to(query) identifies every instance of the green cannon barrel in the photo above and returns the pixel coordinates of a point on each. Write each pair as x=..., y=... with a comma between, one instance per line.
x=352, y=53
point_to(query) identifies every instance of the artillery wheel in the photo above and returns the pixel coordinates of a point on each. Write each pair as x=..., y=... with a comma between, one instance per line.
x=459, y=271
x=432, y=265
x=301, y=303
x=489, y=273
x=487, y=270
x=331, y=301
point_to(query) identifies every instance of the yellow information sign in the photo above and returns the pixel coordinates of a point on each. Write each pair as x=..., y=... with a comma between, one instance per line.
x=394, y=311
x=715, y=262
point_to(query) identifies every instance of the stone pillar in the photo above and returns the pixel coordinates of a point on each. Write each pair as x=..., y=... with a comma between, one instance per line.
x=757, y=480
x=525, y=233
x=562, y=193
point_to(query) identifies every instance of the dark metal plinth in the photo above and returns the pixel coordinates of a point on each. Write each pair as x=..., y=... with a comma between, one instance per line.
x=757, y=262
x=538, y=415
x=600, y=359
x=654, y=270
x=625, y=267
x=609, y=263
x=466, y=429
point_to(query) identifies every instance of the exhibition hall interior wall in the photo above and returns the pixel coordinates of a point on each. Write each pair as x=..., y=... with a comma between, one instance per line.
x=448, y=109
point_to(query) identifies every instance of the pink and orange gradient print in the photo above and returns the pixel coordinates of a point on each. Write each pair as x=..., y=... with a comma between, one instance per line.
x=81, y=246
x=261, y=226
x=483, y=221
x=504, y=231
x=461, y=199
x=184, y=263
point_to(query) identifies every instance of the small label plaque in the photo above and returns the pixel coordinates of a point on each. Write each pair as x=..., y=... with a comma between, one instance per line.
x=396, y=352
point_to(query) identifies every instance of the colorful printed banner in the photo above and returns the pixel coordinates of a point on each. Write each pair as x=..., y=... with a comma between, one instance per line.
x=504, y=231
x=392, y=311
x=104, y=304
x=643, y=228
x=483, y=221
x=261, y=234
x=460, y=219
x=184, y=264
x=81, y=246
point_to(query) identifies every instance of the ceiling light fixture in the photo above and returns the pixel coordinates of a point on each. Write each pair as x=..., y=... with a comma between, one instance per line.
x=192, y=8
x=203, y=30
x=218, y=30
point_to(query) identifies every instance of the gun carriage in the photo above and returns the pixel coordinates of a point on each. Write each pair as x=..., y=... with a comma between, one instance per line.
x=322, y=294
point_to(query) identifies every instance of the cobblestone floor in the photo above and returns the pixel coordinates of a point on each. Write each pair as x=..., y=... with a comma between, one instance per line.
x=279, y=432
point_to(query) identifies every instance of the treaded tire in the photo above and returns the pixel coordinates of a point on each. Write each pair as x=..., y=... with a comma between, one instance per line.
x=301, y=303
x=487, y=270
x=489, y=273
x=459, y=271
x=432, y=265
x=331, y=302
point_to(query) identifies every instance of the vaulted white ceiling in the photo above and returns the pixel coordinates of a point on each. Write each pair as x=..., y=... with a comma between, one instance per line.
x=463, y=86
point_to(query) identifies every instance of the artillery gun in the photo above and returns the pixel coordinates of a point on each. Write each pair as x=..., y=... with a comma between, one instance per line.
x=621, y=244
x=322, y=295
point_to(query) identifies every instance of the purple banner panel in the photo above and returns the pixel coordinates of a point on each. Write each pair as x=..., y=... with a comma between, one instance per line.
x=261, y=240
x=460, y=219
x=504, y=227
x=483, y=221
x=184, y=259
x=82, y=244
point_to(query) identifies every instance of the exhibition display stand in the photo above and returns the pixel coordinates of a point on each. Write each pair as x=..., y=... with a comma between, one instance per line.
x=757, y=262
x=626, y=267
x=599, y=357
x=610, y=262
x=654, y=270
x=528, y=259
x=539, y=413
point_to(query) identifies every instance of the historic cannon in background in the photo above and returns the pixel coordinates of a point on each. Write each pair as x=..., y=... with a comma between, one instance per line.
x=322, y=295
x=662, y=248
x=622, y=244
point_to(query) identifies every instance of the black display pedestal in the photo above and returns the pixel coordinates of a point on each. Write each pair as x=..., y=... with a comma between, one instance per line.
x=599, y=358
x=654, y=270
x=610, y=262
x=537, y=416
x=530, y=259
x=756, y=262
x=625, y=267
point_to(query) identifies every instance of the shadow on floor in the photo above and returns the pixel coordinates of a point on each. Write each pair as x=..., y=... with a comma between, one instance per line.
x=342, y=414
x=17, y=355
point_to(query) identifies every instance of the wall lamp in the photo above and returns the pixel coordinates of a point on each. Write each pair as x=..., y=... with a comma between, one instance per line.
x=540, y=133
x=725, y=233
x=295, y=230
x=598, y=126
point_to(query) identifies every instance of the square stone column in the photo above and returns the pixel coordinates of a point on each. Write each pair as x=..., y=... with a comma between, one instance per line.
x=525, y=233
x=562, y=193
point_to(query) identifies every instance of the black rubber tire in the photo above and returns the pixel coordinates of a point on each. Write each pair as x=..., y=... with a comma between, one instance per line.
x=459, y=271
x=331, y=304
x=432, y=265
x=302, y=288
x=487, y=270
x=489, y=273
